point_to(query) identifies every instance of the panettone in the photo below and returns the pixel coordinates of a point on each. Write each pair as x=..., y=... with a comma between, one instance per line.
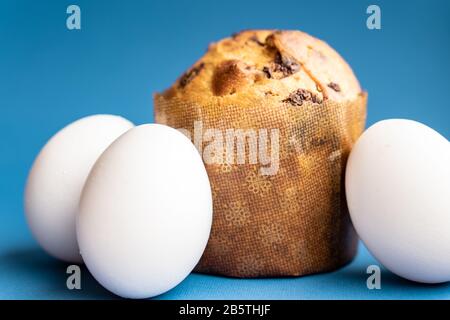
x=298, y=94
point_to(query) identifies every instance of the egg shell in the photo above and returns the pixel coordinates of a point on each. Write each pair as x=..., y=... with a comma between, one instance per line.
x=55, y=181
x=398, y=194
x=145, y=213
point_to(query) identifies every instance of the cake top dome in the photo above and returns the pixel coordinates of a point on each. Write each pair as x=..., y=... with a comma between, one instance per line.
x=288, y=66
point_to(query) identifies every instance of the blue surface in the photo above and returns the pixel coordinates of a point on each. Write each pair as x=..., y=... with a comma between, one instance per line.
x=28, y=273
x=50, y=76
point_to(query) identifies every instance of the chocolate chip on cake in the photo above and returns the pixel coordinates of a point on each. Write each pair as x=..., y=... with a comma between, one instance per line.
x=255, y=39
x=297, y=97
x=191, y=74
x=334, y=86
x=286, y=65
x=281, y=67
x=267, y=72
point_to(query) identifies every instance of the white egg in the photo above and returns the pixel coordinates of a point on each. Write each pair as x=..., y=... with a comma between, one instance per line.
x=54, y=185
x=398, y=194
x=145, y=212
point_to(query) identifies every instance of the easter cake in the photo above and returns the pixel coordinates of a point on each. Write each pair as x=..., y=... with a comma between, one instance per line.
x=274, y=115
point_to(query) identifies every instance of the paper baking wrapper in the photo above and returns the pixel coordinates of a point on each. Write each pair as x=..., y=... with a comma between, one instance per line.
x=294, y=222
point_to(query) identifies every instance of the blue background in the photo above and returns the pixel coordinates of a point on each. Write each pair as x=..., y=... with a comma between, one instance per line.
x=50, y=76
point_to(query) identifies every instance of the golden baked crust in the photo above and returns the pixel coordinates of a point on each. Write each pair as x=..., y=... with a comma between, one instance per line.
x=268, y=64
